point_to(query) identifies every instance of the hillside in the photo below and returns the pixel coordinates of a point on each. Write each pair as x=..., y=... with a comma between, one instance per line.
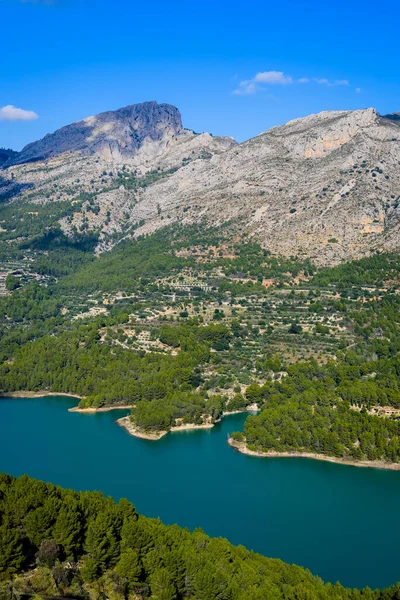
x=325, y=187
x=59, y=543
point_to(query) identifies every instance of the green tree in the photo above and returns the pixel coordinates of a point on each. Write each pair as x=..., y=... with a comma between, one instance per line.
x=11, y=551
x=38, y=525
x=162, y=587
x=129, y=567
x=67, y=530
x=89, y=569
x=12, y=282
x=102, y=543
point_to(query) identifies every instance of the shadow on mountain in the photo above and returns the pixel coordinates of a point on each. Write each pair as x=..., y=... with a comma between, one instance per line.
x=392, y=117
x=55, y=239
x=7, y=154
x=10, y=189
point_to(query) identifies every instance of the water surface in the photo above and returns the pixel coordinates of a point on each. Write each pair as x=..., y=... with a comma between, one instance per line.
x=341, y=522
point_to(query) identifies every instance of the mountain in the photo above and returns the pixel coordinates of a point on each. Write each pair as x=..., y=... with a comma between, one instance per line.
x=110, y=134
x=392, y=116
x=6, y=154
x=113, y=135
x=326, y=186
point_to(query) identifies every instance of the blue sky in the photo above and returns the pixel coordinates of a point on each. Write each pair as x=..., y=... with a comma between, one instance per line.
x=232, y=68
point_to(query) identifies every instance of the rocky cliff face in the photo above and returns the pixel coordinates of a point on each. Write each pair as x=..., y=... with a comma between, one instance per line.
x=113, y=134
x=326, y=186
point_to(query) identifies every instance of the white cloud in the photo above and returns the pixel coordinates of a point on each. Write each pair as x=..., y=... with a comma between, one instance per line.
x=324, y=81
x=11, y=113
x=358, y=90
x=258, y=82
x=273, y=77
x=266, y=78
x=245, y=88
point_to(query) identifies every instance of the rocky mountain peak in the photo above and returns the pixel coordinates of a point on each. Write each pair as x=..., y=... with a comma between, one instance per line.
x=319, y=134
x=326, y=186
x=113, y=134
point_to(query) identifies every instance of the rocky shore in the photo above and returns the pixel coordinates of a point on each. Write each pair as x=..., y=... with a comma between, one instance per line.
x=372, y=464
x=39, y=394
x=92, y=409
x=139, y=433
x=144, y=435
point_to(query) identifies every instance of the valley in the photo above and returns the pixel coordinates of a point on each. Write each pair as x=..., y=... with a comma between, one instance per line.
x=194, y=284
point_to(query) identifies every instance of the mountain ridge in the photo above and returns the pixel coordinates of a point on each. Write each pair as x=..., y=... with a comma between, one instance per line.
x=325, y=186
x=122, y=130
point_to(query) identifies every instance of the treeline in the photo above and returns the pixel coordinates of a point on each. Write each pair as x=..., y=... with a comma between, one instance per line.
x=25, y=218
x=160, y=415
x=251, y=260
x=373, y=270
x=182, y=408
x=57, y=255
x=360, y=383
x=32, y=302
x=78, y=362
x=323, y=409
x=27, y=314
x=185, y=334
x=127, y=265
x=57, y=542
x=336, y=431
x=377, y=325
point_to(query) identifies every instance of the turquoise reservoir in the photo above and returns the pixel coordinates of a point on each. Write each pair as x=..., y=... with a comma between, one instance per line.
x=341, y=522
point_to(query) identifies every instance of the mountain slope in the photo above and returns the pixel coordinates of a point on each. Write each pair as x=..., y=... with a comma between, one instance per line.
x=115, y=136
x=325, y=186
x=6, y=154
x=92, y=172
x=111, y=134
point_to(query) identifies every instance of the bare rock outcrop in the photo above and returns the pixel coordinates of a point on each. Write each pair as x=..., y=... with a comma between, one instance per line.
x=326, y=186
x=112, y=134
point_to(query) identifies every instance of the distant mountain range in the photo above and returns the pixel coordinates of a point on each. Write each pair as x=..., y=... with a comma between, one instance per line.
x=325, y=186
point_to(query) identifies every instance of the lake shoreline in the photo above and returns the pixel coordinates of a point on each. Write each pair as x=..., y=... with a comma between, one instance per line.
x=377, y=464
x=77, y=409
x=40, y=394
x=127, y=424
x=93, y=410
x=92, y=452
x=129, y=427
